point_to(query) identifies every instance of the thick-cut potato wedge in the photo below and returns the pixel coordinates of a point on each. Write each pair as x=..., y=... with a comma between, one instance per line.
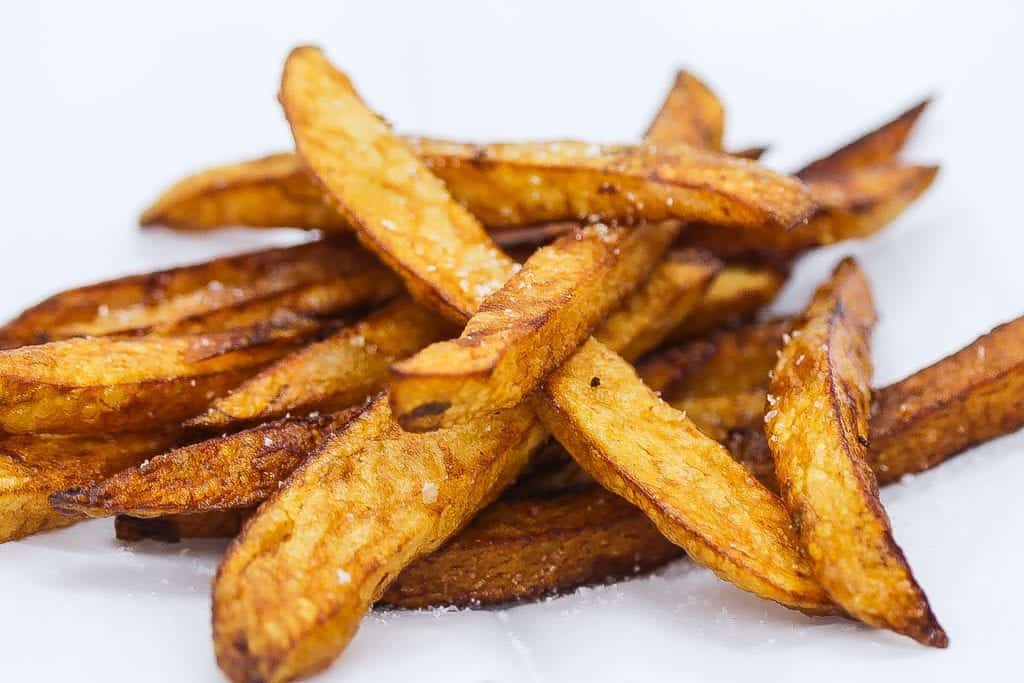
x=269, y=192
x=318, y=278
x=403, y=212
x=173, y=528
x=736, y=295
x=818, y=434
x=514, y=184
x=336, y=372
x=690, y=487
x=235, y=471
x=34, y=466
x=969, y=397
x=523, y=549
x=879, y=146
x=691, y=114
x=852, y=205
x=553, y=303
x=105, y=384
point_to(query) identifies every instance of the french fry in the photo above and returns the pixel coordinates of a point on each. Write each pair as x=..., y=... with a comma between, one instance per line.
x=852, y=205
x=818, y=434
x=691, y=114
x=336, y=372
x=234, y=471
x=689, y=486
x=319, y=278
x=965, y=399
x=879, y=146
x=105, y=384
x=553, y=303
x=34, y=466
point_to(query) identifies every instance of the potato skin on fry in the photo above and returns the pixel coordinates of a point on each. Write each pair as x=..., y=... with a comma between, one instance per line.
x=105, y=384
x=969, y=397
x=528, y=327
x=818, y=434
x=317, y=278
x=234, y=471
x=34, y=466
x=338, y=371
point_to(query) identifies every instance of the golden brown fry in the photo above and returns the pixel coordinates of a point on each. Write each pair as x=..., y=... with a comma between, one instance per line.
x=853, y=204
x=818, y=434
x=689, y=486
x=319, y=278
x=34, y=466
x=736, y=295
x=516, y=184
x=691, y=114
x=876, y=147
x=336, y=372
x=551, y=305
x=273, y=191
x=110, y=384
x=404, y=213
x=717, y=415
x=967, y=398
x=235, y=471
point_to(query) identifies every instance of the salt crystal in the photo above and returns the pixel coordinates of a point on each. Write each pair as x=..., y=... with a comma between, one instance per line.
x=357, y=340
x=770, y=414
x=981, y=353
x=429, y=492
x=388, y=225
x=800, y=359
x=268, y=442
x=103, y=311
x=344, y=578
x=215, y=286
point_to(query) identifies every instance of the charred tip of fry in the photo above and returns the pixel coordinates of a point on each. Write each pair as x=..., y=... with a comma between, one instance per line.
x=931, y=634
x=78, y=500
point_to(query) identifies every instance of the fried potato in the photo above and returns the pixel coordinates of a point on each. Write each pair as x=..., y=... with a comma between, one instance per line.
x=691, y=114
x=876, y=147
x=339, y=371
x=273, y=191
x=818, y=435
x=34, y=466
x=553, y=303
x=319, y=278
x=104, y=384
x=965, y=399
x=852, y=205
x=233, y=471
x=689, y=486
x=736, y=295
x=173, y=528
x=523, y=549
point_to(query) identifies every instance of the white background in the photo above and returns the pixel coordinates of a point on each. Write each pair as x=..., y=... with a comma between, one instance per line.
x=106, y=103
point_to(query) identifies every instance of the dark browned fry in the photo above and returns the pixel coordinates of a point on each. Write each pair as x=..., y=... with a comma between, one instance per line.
x=319, y=278
x=34, y=466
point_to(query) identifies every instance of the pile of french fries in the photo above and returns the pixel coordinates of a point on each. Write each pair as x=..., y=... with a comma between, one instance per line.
x=503, y=371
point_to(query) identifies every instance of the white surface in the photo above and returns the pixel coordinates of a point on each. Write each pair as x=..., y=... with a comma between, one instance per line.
x=104, y=104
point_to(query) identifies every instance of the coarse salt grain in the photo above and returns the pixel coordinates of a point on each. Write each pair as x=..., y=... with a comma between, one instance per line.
x=429, y=492
x=344, y=577
x=267, y=441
